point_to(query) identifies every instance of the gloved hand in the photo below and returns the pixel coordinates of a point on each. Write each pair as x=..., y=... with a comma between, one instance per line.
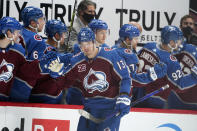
x=158, y=71
x=46, y=59
x=194, y=71
x=123, y=105
x=56, y=68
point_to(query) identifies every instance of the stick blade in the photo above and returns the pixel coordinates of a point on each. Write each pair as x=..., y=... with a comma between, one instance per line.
x=89, y=116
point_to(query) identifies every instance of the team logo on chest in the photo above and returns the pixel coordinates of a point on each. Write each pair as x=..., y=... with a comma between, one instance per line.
x=6, y=71
x=95, y=80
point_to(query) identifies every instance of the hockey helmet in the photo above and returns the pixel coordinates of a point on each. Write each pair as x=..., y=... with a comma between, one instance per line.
x=9, y=23
x=31, y=13
x=169, y=33
x=54, y=26
x=85, y=35
x=129, y=31
x=97, y=24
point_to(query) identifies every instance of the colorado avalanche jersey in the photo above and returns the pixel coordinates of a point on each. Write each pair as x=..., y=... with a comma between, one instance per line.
x=187, y=58
x=14, y=65
x=46, y=89
x=150, y=54
x=74, y=96
x=34, y=44
x=103, y=77
x=132, y=62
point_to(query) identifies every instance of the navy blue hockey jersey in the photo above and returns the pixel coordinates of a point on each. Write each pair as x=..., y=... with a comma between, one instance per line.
x=103, y=77
x=150, y=54
x=14, y=65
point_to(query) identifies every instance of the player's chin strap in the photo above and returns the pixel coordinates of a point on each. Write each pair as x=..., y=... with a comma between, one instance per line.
x=58, y=41
x=87, y=115
x=128, y=46
x=98, y=44
x=36, y=29
x=172, y=48
x=11, y=39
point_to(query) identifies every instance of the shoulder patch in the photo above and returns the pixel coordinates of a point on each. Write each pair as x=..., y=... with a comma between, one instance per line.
x=107, y=49
x=37, y=37
x=173, y=58
x=128, y=51
x=48, y=49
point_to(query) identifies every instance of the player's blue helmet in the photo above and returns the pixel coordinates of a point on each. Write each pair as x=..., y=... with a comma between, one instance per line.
x=85, y=35
x=9, y=23
x=129, y=31
x=54, y=26
x=31, y=13
x=98, y=24
x=169, y=33
x=180, y=33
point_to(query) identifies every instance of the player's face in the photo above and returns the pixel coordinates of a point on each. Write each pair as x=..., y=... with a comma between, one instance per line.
x=87, y=48
x=179, y=43
x=62, y=39
x=134, y=42
x=173, y=45
x=101, y=36
x=41, y=23
x=16, y=35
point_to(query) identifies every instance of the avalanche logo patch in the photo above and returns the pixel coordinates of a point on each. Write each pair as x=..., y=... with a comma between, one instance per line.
x=37, y=37
x=95, y=80
x=49, y=48
x=6, y=71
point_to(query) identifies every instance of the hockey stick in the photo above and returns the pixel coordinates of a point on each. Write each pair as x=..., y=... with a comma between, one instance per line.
x=99, y=120
x=71, y=23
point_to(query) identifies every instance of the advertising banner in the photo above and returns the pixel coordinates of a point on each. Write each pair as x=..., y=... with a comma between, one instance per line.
x=151, y=14
x=45, y=117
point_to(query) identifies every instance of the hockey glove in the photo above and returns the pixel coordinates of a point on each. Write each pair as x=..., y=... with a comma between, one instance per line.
x=194, y=71
x=45, y=60
x=123, y=105
x=158, y=71
x=56, y=68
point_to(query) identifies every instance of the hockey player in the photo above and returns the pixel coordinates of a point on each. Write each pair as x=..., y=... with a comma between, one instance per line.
x=13, y=63
x=187, y=56
x=105, y=79
x=100, y=29
x=153, y=53
x=56, y=32
x=128, y=37
x=33, y=20
x=46, y=89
